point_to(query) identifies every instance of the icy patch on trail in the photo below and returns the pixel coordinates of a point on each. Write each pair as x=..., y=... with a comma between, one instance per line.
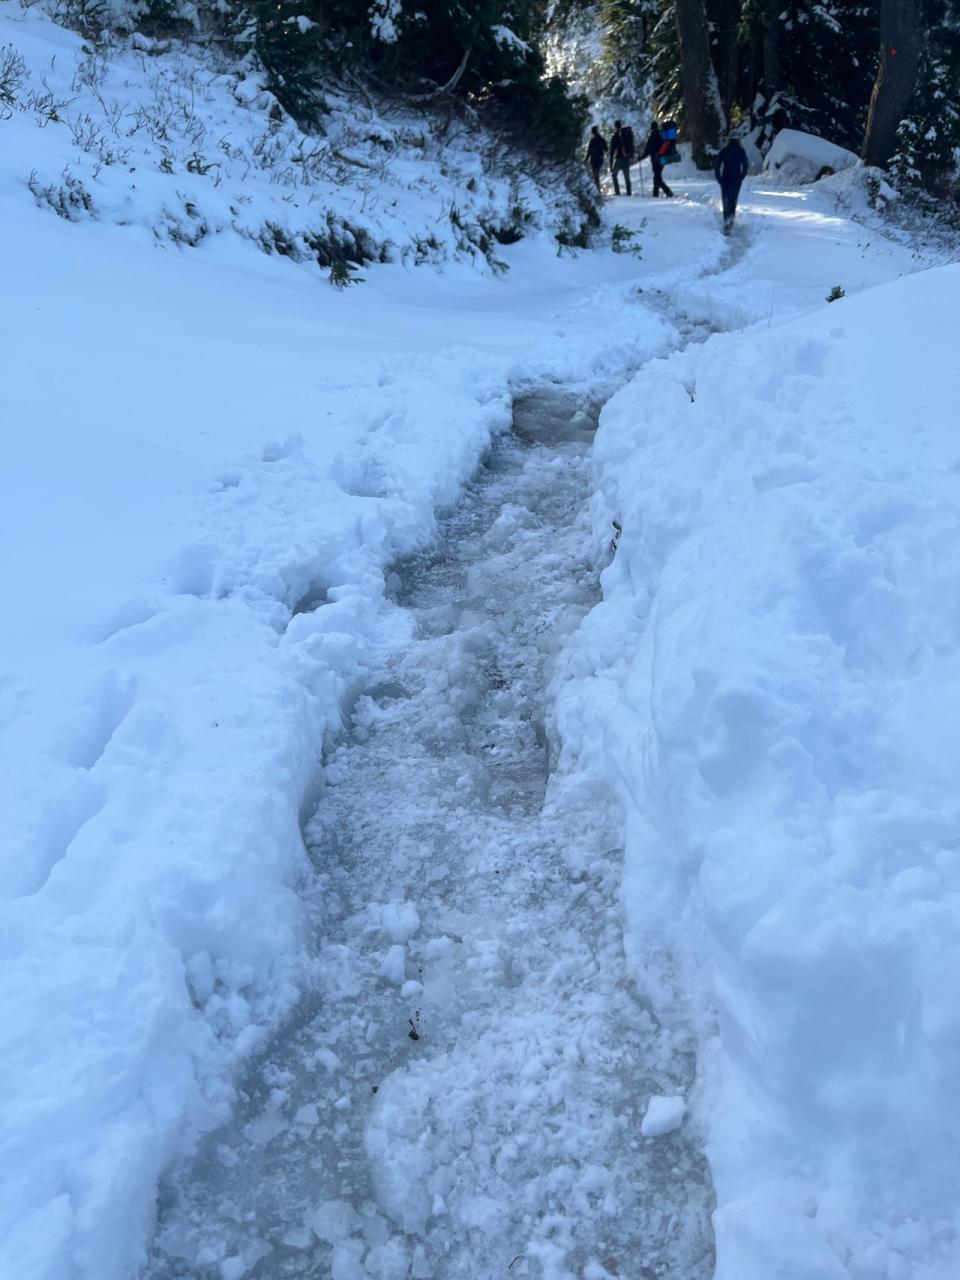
x=462, y=1092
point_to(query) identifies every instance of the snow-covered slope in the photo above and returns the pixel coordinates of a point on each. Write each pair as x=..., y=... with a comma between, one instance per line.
x=189, y=145
x=775, y=691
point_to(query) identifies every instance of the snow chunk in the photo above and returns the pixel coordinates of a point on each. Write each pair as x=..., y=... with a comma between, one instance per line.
x=388, y=1261
x=308, y=1115
x=347, y=1261
x=334, y=1220
x=437, y=947
x=400, y=921
x=664, y=1114
x=411, y=989
x=393, y=966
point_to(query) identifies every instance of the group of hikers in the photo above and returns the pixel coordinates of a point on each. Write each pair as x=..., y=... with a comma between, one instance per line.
x=730, y=167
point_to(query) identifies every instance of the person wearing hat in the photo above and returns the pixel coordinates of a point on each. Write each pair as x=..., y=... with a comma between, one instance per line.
x=730, y=170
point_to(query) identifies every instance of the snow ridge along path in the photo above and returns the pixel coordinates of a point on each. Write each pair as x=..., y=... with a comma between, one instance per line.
x=463, y=1090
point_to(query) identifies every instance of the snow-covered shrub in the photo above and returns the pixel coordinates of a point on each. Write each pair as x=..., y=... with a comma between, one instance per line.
x=484, y=56
x=90, y=18
x=929, y=136
x=13, y=74
x=179, y=138
x=341, y=275
x=69, y=199
x=622, y=239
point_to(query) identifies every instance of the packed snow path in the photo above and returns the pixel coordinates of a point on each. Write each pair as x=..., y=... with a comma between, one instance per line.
x=463, y=1093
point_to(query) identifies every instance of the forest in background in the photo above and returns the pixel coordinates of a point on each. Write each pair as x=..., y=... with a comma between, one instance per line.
x=881, y=78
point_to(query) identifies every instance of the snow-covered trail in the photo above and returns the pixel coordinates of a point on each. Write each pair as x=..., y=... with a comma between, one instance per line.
x=790, y=246
x=164, y=697
x=462, y=1093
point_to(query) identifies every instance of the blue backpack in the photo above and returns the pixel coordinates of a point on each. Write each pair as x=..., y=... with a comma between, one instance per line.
x=668, y=152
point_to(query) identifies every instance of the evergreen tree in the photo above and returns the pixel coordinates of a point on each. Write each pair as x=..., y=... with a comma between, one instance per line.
x=628, y=27
x=481, y=52
x=809, y=65
x=928, y=137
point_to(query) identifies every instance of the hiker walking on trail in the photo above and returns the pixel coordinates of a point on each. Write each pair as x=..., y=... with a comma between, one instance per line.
x=596, y=150
x=621, y=156
x=655, y=150
x=730, y=169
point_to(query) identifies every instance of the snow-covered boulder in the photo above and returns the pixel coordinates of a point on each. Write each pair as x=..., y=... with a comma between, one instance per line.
x=804, y=157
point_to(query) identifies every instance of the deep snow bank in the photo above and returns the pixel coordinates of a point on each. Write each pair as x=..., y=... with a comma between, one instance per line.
x=773, y=681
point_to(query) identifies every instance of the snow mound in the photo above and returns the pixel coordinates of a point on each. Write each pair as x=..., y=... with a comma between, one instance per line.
x=803, y=157
x=775, y=689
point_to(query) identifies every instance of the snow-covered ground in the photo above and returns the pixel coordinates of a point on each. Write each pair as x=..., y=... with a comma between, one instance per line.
x=212, y=459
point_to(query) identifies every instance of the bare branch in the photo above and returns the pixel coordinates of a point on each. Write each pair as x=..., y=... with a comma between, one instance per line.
x=449, y=87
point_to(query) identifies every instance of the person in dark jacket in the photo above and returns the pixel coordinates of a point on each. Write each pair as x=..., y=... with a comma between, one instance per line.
x=730, y=169
x=653, y=149
x=596, y=150
x=621, y=156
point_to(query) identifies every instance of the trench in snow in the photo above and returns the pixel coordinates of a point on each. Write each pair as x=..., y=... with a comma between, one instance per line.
x=460, y=1095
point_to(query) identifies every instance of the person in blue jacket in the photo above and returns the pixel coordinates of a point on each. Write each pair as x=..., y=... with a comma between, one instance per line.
x=730, y=169
x=655, y=149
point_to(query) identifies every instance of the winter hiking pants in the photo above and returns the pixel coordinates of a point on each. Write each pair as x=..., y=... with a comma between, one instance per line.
x=730, y=196
x=595, y=175
x=658, y=182
x=621, y=166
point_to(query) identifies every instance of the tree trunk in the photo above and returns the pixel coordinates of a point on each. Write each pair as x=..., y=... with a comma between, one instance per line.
x=724, y=16
x=702, y=113
x=900, y=47
x=771, y=49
